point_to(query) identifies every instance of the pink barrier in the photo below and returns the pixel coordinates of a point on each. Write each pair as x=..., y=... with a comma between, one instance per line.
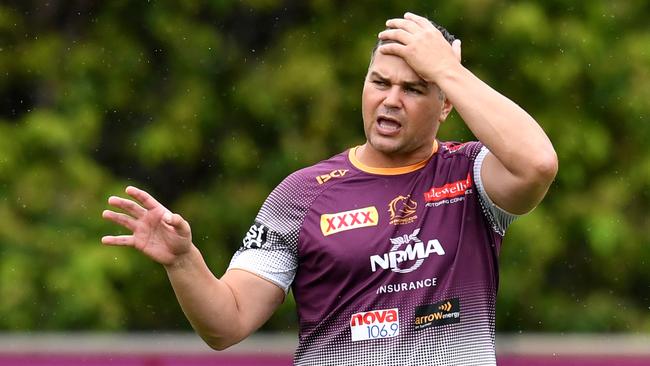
x=520, y=360
x=187, y=349
x=143, y=360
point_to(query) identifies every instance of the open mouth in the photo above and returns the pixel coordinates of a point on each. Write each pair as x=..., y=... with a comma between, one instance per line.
x=387, y=125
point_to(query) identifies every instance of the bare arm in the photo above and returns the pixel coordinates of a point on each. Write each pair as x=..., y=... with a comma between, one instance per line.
x=222, y=311
x=522, y=162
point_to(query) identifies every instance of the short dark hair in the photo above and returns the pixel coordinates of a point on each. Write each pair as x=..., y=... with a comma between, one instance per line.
x=445, y=33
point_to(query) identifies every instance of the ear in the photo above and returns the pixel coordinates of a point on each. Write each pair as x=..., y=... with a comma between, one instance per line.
x=445, y=110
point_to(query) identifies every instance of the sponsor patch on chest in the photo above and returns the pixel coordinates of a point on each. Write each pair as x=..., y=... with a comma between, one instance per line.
x=449, y=193
x=348, y=220
x=374, y=324
x=441, y=313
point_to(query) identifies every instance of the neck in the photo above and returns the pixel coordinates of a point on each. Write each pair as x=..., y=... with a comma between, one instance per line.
x=376, y=159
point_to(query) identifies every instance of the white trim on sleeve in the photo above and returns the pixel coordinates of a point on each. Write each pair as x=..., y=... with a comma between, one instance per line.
x=499, y=217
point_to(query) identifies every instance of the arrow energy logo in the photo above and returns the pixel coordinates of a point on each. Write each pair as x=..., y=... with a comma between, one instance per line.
x=441, y=313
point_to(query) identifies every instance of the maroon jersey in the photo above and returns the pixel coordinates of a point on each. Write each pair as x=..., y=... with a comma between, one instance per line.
x=387, y=266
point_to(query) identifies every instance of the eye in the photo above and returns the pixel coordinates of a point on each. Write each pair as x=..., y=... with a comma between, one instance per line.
x=380, y=83
x=412, y=90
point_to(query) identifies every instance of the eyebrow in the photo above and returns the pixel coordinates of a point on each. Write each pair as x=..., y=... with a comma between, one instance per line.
x=407, y=83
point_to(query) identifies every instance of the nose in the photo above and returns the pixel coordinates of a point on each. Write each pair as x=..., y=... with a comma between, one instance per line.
x=393, y=97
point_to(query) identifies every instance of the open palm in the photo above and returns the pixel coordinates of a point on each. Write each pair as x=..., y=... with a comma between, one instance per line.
x=156, y=232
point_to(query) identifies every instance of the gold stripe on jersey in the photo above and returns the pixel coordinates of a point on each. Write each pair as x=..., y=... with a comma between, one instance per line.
x=352, y=155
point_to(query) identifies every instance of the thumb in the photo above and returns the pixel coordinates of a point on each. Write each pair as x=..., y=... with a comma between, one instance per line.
x=455, y=46
x=177, y=222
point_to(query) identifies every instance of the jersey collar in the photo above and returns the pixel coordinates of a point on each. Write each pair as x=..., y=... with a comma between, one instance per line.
x=352, y=155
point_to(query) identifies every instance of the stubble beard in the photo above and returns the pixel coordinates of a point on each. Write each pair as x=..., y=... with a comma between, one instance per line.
x=391, y=147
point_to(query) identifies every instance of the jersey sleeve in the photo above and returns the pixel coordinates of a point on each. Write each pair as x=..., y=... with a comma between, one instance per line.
x=269, y=248
x=498, y=217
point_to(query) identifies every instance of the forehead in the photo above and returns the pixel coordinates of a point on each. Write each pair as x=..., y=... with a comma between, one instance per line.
x=393, y=68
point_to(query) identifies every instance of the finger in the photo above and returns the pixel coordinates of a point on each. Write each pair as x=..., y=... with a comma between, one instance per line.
x=123, y=240
x=120, y=219
x=129, y=206
x=398, y=35
x=143, y=197
x=178, y=223
x=419, y=20
x=399, y=23
x=392, y=49
x=455, y=46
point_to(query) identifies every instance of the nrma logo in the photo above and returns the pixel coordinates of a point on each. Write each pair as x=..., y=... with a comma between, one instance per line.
x=407, y=254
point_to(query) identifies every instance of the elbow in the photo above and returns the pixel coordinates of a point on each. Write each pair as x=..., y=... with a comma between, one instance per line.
x=220, y=343
x=546, y=166
x=218, y=346
x=541, y=170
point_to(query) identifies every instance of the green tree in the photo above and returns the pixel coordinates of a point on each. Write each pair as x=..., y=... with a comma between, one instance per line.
x=210, y=104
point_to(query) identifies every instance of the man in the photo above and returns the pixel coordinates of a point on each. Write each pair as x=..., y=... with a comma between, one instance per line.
x=391, y=247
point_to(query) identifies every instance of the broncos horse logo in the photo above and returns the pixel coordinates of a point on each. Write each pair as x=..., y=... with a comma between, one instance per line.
x=402, y=210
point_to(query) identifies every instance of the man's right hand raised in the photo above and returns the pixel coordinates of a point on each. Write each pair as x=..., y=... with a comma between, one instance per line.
x=223, y=311
x=160, y=234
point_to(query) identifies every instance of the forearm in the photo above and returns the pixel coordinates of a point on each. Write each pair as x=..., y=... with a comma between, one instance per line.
x=208, y=303
x=510, y=133
x=222, y=311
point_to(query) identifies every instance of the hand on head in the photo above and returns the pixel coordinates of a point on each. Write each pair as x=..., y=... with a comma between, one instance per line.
x=416, y=40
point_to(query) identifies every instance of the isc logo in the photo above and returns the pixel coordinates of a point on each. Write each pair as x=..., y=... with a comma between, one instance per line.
x=333, y=174
x=374, y=324
x=348, y=220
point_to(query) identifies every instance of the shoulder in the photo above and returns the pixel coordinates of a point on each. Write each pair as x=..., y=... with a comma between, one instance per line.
x=319, y=175
x=474, y=153
x=454, y=149
x=299, y=189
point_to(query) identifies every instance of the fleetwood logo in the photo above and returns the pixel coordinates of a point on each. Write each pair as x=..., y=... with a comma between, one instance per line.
x=402, y=210
x=333, y=174
x=414, y=252
x=348, y=220
x=374, y=324
x=450, y=190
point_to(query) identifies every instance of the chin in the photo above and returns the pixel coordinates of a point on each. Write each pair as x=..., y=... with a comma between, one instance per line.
x=383, y=146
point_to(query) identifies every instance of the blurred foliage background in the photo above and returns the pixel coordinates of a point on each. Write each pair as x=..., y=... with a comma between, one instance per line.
x=209, y=104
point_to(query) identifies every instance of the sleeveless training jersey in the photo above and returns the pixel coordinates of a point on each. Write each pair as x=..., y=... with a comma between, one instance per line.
x=387, y=266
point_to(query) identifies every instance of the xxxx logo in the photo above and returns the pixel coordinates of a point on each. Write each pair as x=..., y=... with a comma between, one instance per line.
x=333, y=174
x=348, y=220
